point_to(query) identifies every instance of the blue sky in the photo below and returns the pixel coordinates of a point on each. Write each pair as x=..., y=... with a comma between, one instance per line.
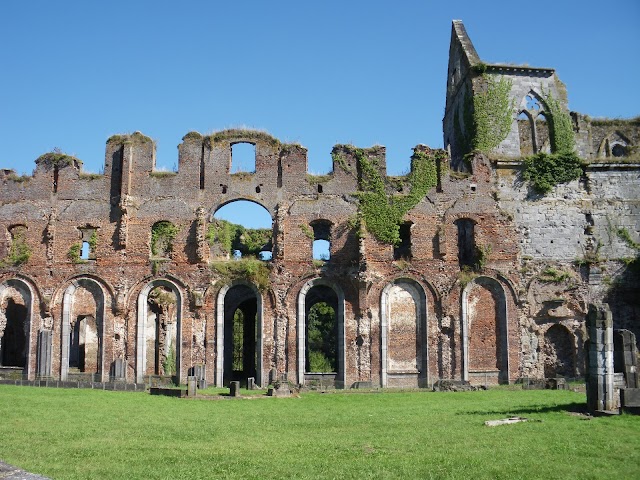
x=317, y=73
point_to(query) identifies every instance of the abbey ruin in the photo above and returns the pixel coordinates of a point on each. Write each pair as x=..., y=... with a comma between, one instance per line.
x=478, y=265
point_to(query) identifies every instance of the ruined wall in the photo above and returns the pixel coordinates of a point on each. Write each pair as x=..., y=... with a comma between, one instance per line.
x=122, y=275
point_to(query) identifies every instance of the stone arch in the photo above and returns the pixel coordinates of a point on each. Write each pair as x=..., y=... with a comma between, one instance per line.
x=559, y=352
x=225, y=310
x=404, y=347
x=16, y=324
x=141, y=328
x=532, y=106
x=71, y=326
x=485, y=335
x=336, y=297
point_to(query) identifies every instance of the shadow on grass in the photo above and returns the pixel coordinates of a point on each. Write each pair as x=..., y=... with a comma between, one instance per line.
x=575, y=407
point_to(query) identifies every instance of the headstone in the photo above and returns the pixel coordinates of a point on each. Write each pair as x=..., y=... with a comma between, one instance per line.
x=251, y=383
x=192, y=383
x=234, y=389
x=44, y=353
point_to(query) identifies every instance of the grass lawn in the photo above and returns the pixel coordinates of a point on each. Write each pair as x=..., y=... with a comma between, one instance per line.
x=95, y=434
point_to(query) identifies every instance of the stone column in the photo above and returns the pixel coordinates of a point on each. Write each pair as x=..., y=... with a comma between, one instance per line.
x=600, y=391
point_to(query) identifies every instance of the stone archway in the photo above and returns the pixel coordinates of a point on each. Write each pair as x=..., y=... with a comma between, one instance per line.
x=404, y=350
x=83, y=314
x=16, y=307
x=159, y=329
x=316, y=291
x=239, y=334
x=485, y=343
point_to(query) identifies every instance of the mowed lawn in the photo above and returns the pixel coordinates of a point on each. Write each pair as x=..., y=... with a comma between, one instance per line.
x=96, y=434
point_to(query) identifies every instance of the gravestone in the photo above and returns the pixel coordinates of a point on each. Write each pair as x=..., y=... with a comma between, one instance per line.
x=234, y=389
x=44, y=353
x=601, y=394
x=192, y=383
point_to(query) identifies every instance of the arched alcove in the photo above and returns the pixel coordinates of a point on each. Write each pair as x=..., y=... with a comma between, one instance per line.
x=559, y=352
x=239, y=334
x=314, y=292
x=16, y=307
x=485, y=344
x=154, y=337
x=83, y=314
x=404, y=348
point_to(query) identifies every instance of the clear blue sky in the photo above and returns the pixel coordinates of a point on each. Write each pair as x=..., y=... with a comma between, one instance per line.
x=318, y=73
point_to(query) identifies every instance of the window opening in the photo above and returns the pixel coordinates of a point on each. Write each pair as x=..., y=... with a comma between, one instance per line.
x=240, y=334
x=403, y=249
x=618, y=150
x=321, y=249
x=243, y=157
x=14, y=339
x=241, y=229
x=56, y=174
x=319, y=188
x=84, y=252
x=466, y=242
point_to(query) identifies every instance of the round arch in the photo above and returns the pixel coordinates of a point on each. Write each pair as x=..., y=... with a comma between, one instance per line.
x=220, y=331
x=404, y=286
x=301, y=328
x=97, y=290
x=141, y=333
x=27, y=292
x=496, y=289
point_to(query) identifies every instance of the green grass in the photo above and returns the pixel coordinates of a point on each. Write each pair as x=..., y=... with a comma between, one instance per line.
x=96, y=434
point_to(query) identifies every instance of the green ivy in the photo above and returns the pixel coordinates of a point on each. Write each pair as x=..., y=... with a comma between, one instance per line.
x=19, y=252
x=544, y=171
x=162, y=235
x=492, y=114
x=561, y=131
x=382, y=214
x=230, y=237
x=74, y=253
x=253, y=270
x=93, y=241
x=625, y=236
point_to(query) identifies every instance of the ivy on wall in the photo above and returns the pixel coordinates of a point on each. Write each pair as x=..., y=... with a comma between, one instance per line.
x=162, y=235
x=544, y=171
x=19, y=252
x=382, y=214
x=561, y=131
x=492, y=114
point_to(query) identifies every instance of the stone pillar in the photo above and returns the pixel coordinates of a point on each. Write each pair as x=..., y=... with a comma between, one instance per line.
x=600, y=389
x=44, y=353
x=625, y=358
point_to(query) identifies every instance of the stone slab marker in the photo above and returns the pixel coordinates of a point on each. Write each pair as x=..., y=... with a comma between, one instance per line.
x=44, y=353
x=600, y=388
x=234, y=389
x=192, y=383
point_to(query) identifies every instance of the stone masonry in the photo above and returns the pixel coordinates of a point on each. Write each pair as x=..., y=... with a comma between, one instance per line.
x=118, y=277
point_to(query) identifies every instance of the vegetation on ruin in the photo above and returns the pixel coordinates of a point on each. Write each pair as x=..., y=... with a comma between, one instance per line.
x=554, y=275
x=561, y=132
x=93, y=240
x=56, y=158
x=90, y=176
x=73, y=254
x=632, y=262
x=381, y=213
x=322, y=340
x=492, y=114
x=231, y=236
x=162, y=235
x=162, y=174
x=544, y=171
x=13, y=176
x=466, y=275
x=315, y=179
x=19, y=251
x=169, y=363
x=307, y=231
x=252, y=270
x=135, y=137
x=114, y=435
x=245, y=134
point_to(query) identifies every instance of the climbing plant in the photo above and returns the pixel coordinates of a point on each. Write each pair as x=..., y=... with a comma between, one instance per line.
x=561, y=131
x=382, y=214
x=492, y=114
x=19, y=252
x=162, y=235
x=544, y=171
